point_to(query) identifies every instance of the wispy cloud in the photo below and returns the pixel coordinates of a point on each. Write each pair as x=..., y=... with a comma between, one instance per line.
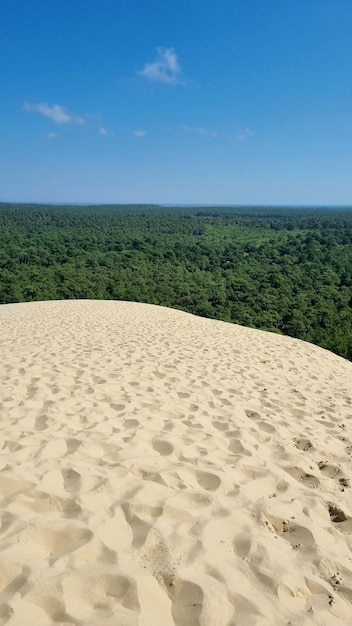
x=244, y=134
x=208, y=133
x=103, y=131
x=140, y=133
x=165, y=69
x=56, y=113
x=200, y=131
x=51, y=136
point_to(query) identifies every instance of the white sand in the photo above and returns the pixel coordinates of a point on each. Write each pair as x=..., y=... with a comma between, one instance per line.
x=163, y=469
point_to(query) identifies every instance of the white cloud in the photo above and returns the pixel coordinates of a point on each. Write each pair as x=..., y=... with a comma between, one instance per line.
x=55, y=113
x=140, y=133
x=244, y=134
x=103, y=131
x=165, y=69
x=209, y=133
x=200, y=131
x=51, y=136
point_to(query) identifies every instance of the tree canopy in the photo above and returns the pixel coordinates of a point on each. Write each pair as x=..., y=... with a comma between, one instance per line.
x=278, y=269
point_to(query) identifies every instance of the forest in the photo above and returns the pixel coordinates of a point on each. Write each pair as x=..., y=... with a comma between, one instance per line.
x=286, y=270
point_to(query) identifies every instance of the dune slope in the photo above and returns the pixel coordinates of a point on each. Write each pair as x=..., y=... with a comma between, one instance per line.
x=159, y=468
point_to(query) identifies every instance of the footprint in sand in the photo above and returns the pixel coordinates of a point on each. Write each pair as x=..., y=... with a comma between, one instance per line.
x=72, y=445
x=137, y=529
x=98, y=380
x=332, y=471
x=253, y=415
x=222, y=426
x=72, y=479
x=266, y=427
x=117, y=406
x=131, y=423
x=344, y=482
x=158, y=374
x=296, y=535
x=6, y=519
x=236, y=447
x=187, y=602
x=309, y=480
x=41, y=422
x=163, y=447
x=302, y=444
x=339, y=518
x=243, y=543
x=208, y=481
x=336, y=514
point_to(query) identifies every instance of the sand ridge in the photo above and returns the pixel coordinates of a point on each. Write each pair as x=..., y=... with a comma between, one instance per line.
x=160, y=468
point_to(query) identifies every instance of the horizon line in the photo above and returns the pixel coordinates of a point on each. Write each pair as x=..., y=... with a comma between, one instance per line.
x=182, y=204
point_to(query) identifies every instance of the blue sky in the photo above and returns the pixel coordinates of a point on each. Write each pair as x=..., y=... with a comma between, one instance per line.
x=176, y=101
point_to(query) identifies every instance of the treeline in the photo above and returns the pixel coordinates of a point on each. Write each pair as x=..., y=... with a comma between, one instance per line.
x=284, y=270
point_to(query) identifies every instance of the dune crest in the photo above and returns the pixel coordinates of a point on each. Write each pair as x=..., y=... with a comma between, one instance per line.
x=160, y=468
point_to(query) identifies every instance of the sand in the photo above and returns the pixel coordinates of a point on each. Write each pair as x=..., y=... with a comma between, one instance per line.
x=158, y=468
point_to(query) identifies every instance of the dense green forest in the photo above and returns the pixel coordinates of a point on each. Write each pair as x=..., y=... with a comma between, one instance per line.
x=284, y=270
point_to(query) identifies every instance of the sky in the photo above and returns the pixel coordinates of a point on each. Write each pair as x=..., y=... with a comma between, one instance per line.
x=242, y=102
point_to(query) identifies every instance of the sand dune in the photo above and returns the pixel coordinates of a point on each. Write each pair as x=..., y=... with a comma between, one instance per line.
x=163, y=469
